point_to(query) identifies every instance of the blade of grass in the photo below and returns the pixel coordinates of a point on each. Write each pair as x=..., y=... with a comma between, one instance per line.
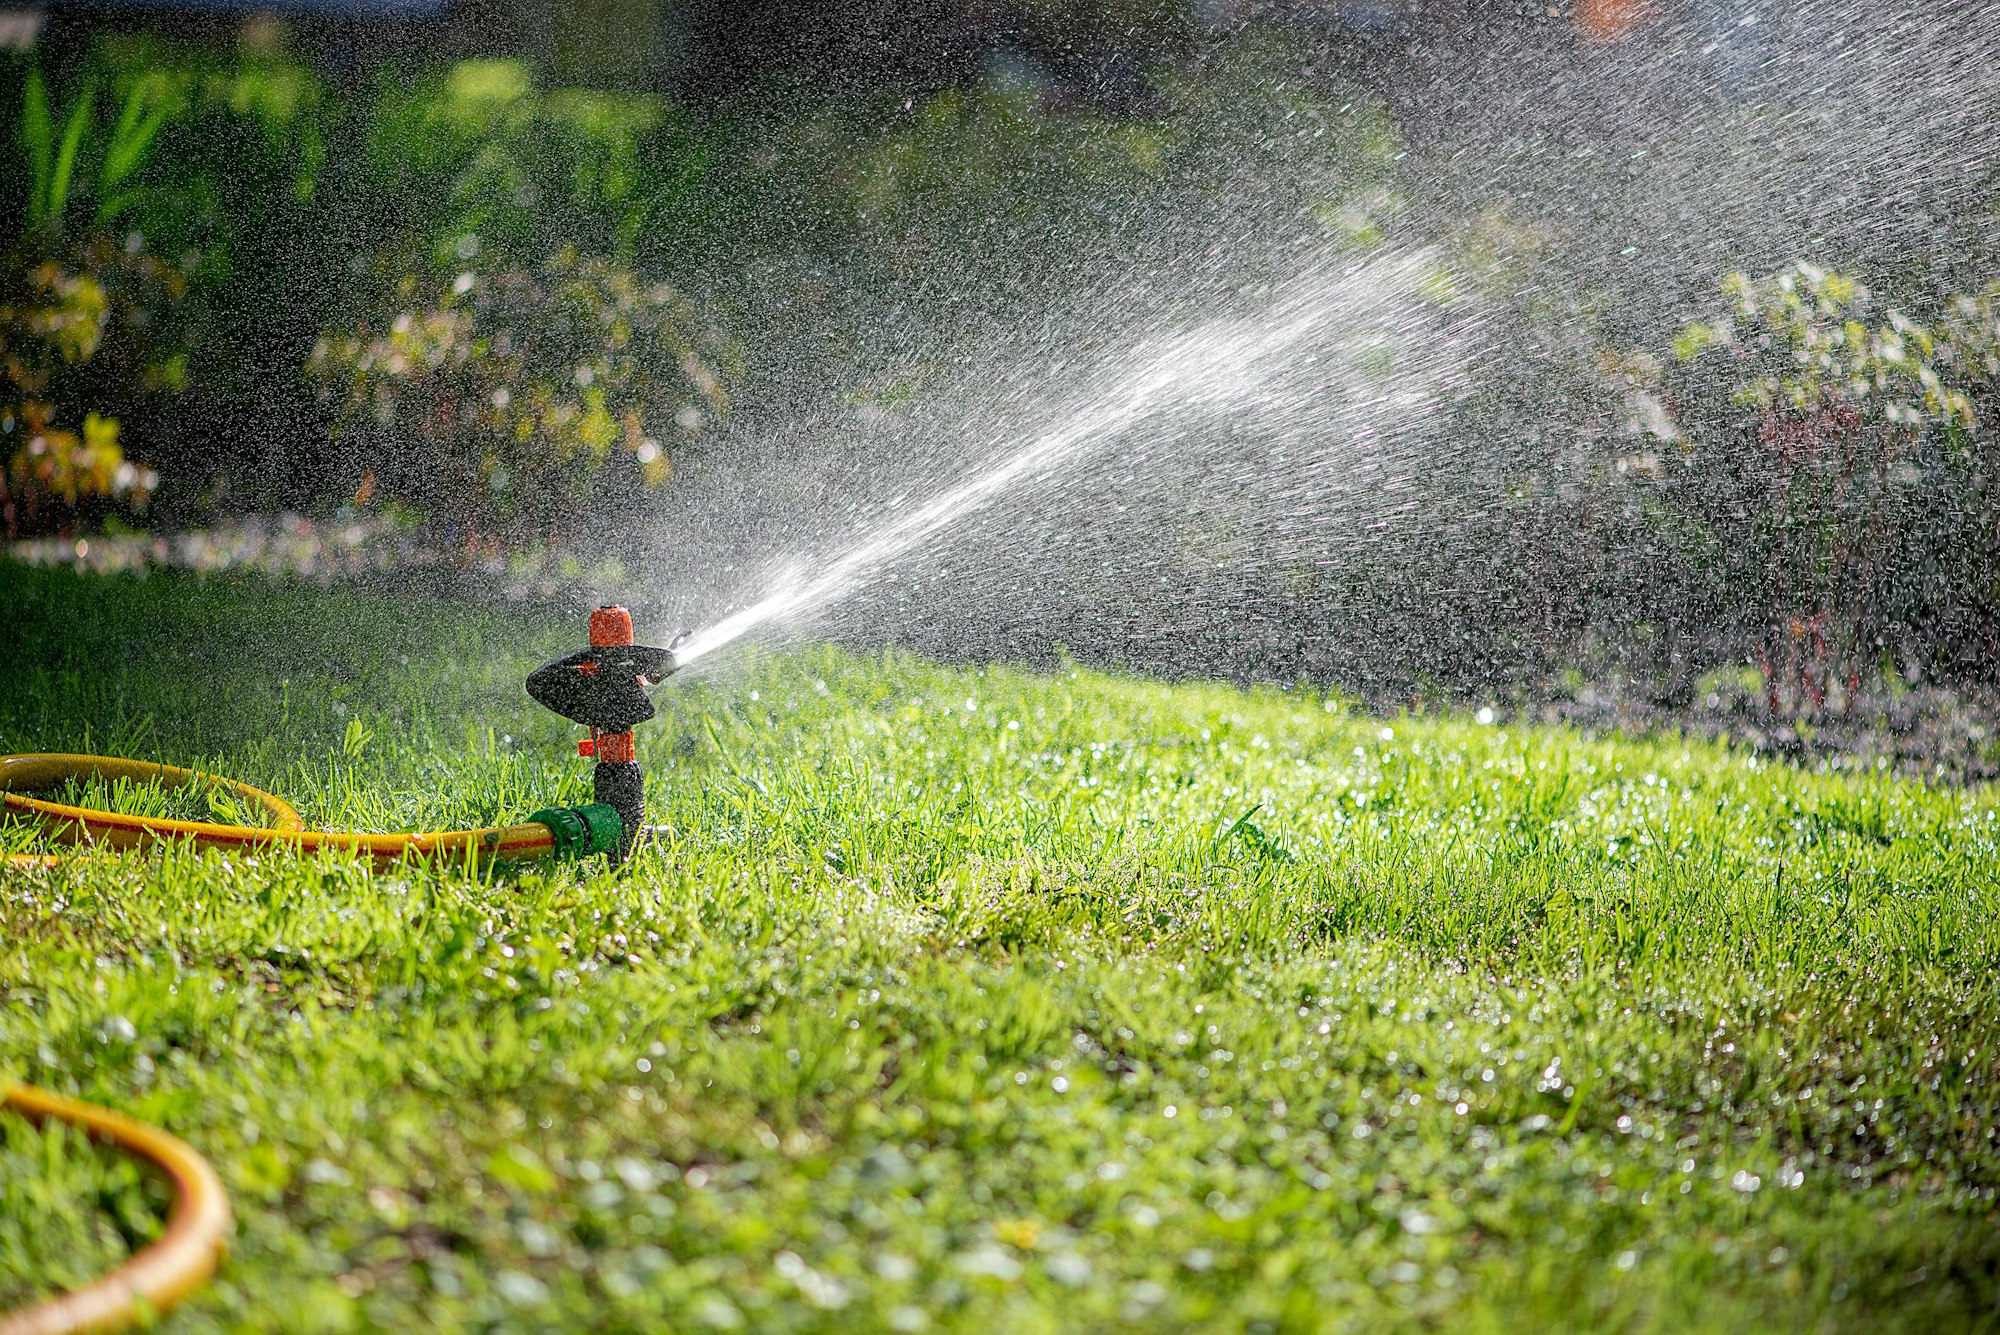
x=131, y=140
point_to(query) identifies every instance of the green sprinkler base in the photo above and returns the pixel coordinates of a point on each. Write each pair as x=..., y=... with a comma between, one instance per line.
x=581, y=831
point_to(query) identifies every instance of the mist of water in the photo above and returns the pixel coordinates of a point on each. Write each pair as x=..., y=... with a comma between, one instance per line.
x=1347, y=479
x=1220, y=365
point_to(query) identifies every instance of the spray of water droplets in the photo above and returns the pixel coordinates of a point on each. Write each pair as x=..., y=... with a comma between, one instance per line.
x=1212, y=366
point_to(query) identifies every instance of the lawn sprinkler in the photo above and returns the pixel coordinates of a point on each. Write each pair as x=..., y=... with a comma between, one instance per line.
x=605, y=688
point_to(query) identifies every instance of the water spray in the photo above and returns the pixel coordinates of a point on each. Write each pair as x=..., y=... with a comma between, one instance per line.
x=1213, y=365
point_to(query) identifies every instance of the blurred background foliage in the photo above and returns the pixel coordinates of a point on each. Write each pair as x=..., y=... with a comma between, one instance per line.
x=298, y=201
x=510, y=401
x=1815, y=461
x=479, y=268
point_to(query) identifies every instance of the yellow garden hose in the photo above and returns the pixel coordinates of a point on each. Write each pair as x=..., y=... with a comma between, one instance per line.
x=109, y=829
x=186, y=1254
x=163, y=1273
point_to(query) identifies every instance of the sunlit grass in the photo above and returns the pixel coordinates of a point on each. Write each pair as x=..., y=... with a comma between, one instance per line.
x=985, y=1000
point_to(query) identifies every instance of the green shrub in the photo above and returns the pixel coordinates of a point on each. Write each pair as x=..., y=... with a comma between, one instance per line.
x=1814, y=459
x=483, y=152
x=499, y=397
x=71, y=159
x=73, y=294
x=298, y=209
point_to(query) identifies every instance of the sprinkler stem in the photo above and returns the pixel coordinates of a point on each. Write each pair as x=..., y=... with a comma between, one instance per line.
x=617, y=780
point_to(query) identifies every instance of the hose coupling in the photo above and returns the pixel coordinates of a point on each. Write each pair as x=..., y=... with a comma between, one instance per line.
x=582, y=832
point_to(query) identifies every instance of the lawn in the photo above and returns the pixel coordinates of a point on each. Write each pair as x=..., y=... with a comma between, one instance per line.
x=976, y=999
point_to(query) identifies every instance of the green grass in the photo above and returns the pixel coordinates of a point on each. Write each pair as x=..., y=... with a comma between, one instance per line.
x=981, y=1000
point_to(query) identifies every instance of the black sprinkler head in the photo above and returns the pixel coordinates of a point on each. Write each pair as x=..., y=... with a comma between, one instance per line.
x=604, y=686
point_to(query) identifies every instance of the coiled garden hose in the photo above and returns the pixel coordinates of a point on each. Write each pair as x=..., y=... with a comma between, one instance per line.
x=187, y=1253
x=541, y=836
x=164, y=1272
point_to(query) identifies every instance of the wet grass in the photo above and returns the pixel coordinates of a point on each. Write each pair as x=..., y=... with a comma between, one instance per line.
x=989, y=1001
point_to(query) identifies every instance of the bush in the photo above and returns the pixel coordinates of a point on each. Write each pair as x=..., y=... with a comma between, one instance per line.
x=479, y=150
x=72, y=294
x=501, y=396
x=1814, y=462
x=298, y=208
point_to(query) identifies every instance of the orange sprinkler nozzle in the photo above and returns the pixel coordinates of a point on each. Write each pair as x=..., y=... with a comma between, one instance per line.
x=610, y=626
x=613, y=748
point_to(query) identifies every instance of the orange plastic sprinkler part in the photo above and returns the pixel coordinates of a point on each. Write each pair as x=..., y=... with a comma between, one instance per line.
x=610, y=627
x=179, y=1261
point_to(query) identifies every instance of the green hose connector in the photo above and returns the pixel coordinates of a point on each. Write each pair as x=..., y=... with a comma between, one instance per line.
x=582, y=831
